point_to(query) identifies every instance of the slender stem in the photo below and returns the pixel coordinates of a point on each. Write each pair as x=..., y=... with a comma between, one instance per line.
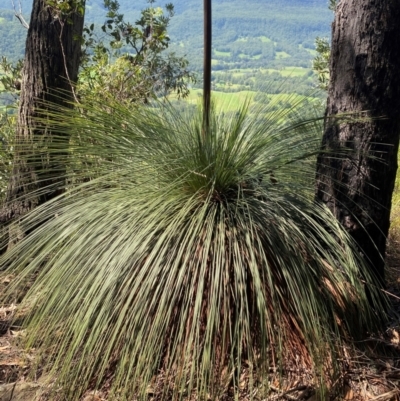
x=207, y=65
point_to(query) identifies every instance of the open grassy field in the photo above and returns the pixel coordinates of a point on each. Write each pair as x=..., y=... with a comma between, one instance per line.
x=237, y=72
x=232, y=101
x=284, y=71
x=263, y=39
x=288, y=71
x=281, y=55
x=222, y=54
x=226, y=101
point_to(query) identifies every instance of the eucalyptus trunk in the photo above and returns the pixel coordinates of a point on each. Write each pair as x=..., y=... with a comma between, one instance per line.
x=50, y=69
x=357, y=185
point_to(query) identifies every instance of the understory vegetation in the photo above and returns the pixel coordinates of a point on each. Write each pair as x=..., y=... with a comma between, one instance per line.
x=185, y=253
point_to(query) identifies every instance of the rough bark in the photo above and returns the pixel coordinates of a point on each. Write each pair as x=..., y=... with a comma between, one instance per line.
x=50, y=66
x=357, y=185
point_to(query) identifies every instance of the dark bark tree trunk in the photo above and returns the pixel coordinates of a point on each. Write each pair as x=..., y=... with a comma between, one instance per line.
x=357, y=186
x=50, y=69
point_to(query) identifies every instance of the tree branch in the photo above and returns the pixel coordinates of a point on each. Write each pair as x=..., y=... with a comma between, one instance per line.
x=19, y=16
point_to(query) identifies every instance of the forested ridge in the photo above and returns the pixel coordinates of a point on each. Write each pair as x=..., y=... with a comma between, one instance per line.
x=260, y=46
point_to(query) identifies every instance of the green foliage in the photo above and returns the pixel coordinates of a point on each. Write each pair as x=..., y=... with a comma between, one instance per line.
x=107, y=73
x=13, y=36
x=64, y=9
x=321, y=62
x=10, y=81
x=185, y=258
x=7, y=131
x=395, y=212
x=332, y=4
x=10, y=77
x=143, y=71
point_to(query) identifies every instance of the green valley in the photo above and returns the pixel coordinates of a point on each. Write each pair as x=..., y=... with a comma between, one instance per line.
x=261, y=33
x=262, y=45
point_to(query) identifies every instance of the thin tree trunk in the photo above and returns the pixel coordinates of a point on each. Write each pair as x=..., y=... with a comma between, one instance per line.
x=364, y=68
x=50, y=66
x=207, y=64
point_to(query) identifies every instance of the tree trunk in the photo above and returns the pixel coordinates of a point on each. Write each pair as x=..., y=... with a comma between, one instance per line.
x=357, y=185
x=50, y=69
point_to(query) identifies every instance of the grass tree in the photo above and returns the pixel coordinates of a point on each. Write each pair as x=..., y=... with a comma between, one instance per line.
x=186, y=258
x=186, y=249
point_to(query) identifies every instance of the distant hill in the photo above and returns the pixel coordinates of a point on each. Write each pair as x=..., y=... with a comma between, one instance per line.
x=12, y=34
x=247, y=34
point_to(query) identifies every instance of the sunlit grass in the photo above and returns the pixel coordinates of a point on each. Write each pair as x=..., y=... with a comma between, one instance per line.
x=228, y=101
x=395, y=212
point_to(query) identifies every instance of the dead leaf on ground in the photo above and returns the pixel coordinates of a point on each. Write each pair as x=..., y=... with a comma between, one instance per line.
x=15, y=362
x=93, y=396
x=395, y=337
x=386, y=396
x=6, y=311
x=19, y=333
x=7, y=280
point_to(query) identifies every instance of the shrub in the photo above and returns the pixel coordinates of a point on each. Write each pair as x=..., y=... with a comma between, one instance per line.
x=188, y=255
